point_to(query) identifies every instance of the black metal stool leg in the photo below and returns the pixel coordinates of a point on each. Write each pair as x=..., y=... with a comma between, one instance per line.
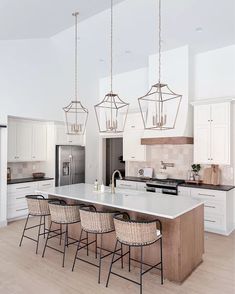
x=25, y=226
x=67, y=235
x=39, y=231
x=75, y=258
x=111, y=264
x=47, y=239
x=141, y=268
x=95, y=245
x=101, y=244
x=161, y=261
x=44, y=226
x=121, y=256
x=60, y=234
x=65, y=243
x=87, y=249
x=129, y=258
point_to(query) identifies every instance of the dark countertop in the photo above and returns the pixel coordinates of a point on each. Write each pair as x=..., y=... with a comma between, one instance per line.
x=199, y=186
x=209, y=187
x=27, y=180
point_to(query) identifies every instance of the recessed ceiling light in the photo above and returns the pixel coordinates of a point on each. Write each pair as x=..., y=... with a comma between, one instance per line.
x=199, y=29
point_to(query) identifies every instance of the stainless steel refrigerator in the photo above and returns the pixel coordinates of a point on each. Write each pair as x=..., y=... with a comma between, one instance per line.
x=70, y=165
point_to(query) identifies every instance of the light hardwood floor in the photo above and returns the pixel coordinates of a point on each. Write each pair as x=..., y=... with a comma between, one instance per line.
x=24, y=272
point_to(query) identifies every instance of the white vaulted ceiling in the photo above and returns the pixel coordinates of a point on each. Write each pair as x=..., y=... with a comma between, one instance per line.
x=28, y=19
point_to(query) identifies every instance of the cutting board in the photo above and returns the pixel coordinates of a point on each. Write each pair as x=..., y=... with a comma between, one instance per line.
x=207, y=175
x=215, y=174
x=211, y=175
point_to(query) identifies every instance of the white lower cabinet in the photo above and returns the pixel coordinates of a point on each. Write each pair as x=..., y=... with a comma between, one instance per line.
x=218, y=208
x=123, y=184
x=16, y=201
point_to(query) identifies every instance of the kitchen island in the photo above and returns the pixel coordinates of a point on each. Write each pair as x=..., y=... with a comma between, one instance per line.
x=182, y=220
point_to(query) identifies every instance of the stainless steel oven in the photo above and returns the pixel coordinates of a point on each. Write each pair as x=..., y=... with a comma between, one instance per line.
x=169, y=186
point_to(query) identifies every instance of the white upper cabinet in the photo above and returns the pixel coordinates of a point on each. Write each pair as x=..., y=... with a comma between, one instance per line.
x=212, y=133
x=26, y=141
x=39, y=142
x=132, y=148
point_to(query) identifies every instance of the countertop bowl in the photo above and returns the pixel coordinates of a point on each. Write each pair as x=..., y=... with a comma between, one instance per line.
x=161, y=176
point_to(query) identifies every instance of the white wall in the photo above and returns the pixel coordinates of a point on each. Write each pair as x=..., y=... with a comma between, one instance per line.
x=215, y=73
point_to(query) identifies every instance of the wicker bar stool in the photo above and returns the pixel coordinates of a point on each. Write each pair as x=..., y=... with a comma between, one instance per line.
x=64, y=215
x=137, y=234
x=37, y=206
x=96, y=223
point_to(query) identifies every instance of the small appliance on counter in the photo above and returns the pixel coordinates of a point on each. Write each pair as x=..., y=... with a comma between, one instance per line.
x=146, y=172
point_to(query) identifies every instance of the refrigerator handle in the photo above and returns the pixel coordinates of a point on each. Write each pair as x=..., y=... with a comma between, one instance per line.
x=70, y=169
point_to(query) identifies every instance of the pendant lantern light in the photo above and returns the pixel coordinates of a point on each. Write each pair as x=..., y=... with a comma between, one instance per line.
x=75, y=113
x=160, y=106
x=112, y=111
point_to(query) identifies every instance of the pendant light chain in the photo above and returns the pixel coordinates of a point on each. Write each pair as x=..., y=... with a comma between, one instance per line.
x=159, y=40
x=111, y=47
x=76, y=57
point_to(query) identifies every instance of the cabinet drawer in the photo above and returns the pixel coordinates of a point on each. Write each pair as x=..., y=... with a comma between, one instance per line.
x=211, y=195
x=216, y=222
x=141, y=186
x=16, y=200
x=184, y=191
x=16, y=212
x=126, y=184
x=26, y=188
x=211, y=207
x=44, y=185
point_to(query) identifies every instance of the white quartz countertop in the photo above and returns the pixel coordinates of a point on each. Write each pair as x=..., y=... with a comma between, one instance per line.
x=156, y=204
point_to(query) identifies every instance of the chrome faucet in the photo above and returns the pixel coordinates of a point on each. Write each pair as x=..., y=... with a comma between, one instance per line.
x=112, y=182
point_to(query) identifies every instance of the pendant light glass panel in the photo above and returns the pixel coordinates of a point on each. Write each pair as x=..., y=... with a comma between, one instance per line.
x=159, y=107
x=111, y=114
x=75, y=118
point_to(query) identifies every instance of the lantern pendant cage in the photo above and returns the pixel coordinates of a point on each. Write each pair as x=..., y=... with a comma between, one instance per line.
x=160, y=106
x=111, y=112
x=76, y=114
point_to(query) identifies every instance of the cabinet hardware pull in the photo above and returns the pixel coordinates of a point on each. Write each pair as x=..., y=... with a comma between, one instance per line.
x=46, y=185
x=210, y=195
x=20, y=197
x=21, y=209
x=210, y=221
x=23, y=187
x=209, y=206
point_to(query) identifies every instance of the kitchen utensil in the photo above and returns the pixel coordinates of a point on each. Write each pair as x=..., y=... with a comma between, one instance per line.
x=38, y=175
x=8, y=173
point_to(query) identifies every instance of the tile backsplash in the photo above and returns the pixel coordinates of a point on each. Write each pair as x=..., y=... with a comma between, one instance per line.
x=25, y=169
x=181, y=156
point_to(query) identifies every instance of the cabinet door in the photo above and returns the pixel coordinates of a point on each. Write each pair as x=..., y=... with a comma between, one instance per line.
x=132, y=148
x=39, y=142
x=23, y=142
x=11, y=156
x=202, y=140
x=184, y=191
x=220, y=133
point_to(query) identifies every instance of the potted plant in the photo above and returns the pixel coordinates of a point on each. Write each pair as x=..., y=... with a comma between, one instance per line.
x=196, y=168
